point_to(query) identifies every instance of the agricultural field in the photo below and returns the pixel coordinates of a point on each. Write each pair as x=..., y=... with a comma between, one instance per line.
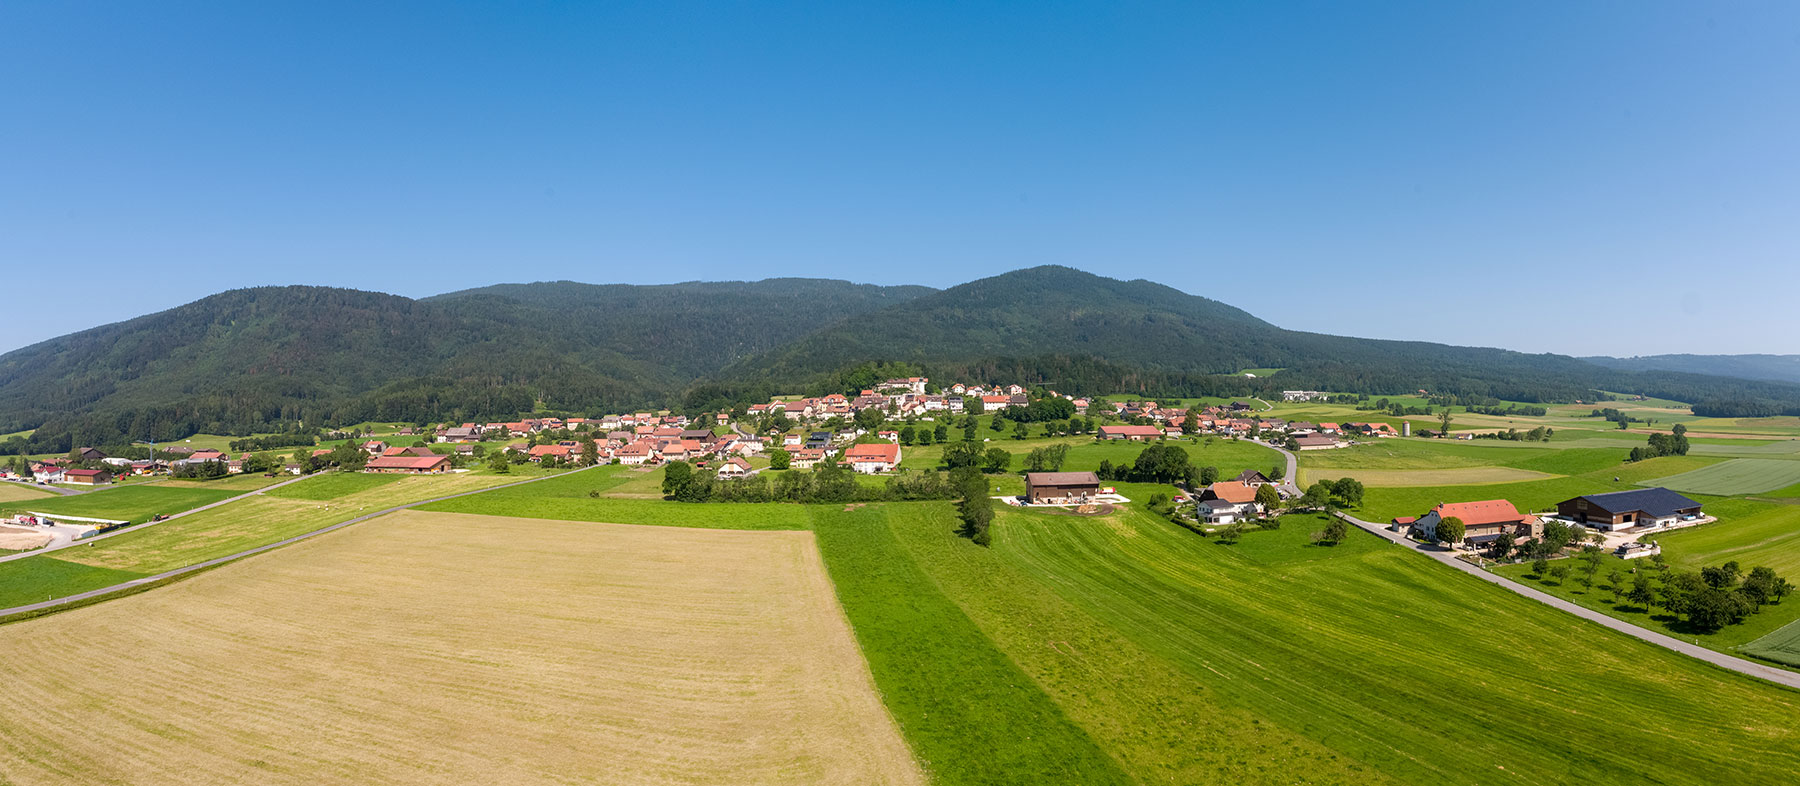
x=209, y=534
x=1782, y=646
x=589, y=653
x=15, y=492
x=1457, y=476
x=239, y=483
x=1124, y=649
x=1734, y=477
x=333, y=485
x=1085, y=452
x=130, y=503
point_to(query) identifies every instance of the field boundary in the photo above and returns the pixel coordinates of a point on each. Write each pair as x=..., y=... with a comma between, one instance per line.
x=147, y=524
x=36, y=609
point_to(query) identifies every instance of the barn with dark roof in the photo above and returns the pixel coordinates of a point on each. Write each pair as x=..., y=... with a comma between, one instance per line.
x=1651, y=507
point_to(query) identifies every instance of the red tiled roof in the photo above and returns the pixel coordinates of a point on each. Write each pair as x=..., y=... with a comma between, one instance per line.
x=1233, y=491
x=873, y=451
x=1493, y=511
x=1132, y=431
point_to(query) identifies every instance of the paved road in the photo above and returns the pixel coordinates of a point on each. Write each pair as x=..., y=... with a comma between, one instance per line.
x=1444, y=556
x=50, y=604
x=1740, y=665
x=1289, y=486
x=57, y=489
x=135, y=527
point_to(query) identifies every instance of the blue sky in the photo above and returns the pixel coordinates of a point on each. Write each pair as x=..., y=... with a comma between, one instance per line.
x=1617, y=177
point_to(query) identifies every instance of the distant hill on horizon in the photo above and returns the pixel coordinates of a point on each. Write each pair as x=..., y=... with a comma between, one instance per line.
x=1776, y=368
x=273, y=358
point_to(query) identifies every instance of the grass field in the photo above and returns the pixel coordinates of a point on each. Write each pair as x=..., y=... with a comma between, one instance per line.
x=1458, y=476
x=218, y=532
x=1737, y=476
x=129, y=503
x=14, y=492
x=333, y=485
x=1782, y=646
x=1150, y=654
x=443, y=649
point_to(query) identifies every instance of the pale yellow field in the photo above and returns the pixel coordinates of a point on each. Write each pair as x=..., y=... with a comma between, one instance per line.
x=13, y=492
x=1454, y=476
x=451, y=649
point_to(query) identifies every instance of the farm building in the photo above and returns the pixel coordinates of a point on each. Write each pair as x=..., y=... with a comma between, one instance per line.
x=1053, y=488
x=1140, y=433
x=873, y=457
x=1652, y=507
x=1316, y=442
x=411, y=465
x=1483, y=521
x=87, y=477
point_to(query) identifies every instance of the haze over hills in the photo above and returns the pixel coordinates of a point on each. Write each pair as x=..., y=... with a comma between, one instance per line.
x=276, y=357
x=1777, y=368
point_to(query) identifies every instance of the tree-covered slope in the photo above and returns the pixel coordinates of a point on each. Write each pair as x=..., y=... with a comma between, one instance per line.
x=1138, y=335
x=254, y=359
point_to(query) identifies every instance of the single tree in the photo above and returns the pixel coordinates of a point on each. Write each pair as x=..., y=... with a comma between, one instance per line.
x=1560, y=573
x=1449, y=531
x=1616, y=582
x=780, y=459
x=1444, y=423
x=1209, y=475
x=1268, y=498
x=996, y=460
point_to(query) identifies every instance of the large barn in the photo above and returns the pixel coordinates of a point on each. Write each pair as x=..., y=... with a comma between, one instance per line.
x=1652, y=507
x=1057, y=488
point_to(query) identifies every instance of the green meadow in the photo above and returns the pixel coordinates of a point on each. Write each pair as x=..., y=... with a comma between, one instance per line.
x=1737, y=476
x=128, y=503
x=1125, y=649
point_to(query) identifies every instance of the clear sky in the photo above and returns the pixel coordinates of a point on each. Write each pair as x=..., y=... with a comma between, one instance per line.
x=1616, y=177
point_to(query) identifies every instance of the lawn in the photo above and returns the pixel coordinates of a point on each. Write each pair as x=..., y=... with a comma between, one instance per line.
x=1384, y=503
x=129, y=503
x=1737, y=476
x=333, y=485
x=454, y=649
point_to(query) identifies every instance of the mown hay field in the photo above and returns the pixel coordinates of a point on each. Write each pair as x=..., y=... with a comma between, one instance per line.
x=1737, y=476
x=13, y=492
x=445, y=648
x=1457, y=476
x=208, y=534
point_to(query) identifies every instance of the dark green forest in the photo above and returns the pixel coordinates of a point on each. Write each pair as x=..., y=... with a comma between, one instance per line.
x=292, y=358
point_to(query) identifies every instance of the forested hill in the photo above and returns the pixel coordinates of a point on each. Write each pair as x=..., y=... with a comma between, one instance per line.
x=288, y=357
x=1778, y=368
x=1092, y=334
x=277, y=357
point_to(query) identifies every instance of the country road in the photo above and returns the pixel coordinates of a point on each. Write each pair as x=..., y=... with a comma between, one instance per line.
x=103, y=591
x=1732, y=662
x=41, y=487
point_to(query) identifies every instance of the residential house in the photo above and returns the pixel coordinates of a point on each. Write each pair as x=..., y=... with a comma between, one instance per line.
x=734, y=468
x=635, y=454
x=1251, y=477
x=805, y=458
x=1228, y=501
x=873, y=457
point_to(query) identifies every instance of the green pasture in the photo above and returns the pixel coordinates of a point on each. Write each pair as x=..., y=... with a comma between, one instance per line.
x=1733, y=477
x=333, y=485
x=127, y=503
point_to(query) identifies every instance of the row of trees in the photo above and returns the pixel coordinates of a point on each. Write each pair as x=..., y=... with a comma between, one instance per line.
x=1539, y=434
x=1707, y=600
x=828, y=482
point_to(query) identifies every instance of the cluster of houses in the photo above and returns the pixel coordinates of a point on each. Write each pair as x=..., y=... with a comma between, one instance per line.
x=1485, y=521
x=62, y=470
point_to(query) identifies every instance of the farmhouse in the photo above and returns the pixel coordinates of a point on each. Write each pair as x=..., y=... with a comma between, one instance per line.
x=1315, y=442
x=1483, y=521
x=1137, y=433
x=1228, y=501
x=1054, y=488
x=408, y=465
x=734, y=468
x=873, y=457
x=1652, y=507
x=1251, y=477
